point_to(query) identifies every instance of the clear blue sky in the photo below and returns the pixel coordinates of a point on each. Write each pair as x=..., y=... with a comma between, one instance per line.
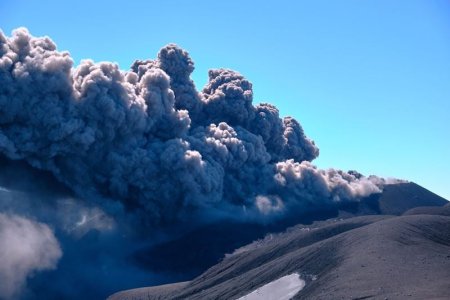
x=368, y=80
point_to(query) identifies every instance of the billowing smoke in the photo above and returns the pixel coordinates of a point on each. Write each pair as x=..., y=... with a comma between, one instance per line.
x=148, y=140
x=96, y=246
x=26, y=247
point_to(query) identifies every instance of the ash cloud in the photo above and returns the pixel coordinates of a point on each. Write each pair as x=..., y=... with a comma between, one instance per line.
x=96, y=245
x=147, y=142
x=26, y=247
x=145, y=157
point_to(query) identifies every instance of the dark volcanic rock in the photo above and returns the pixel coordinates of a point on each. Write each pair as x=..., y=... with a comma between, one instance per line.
x=370, y=256
x=398, y=198
x=429, y=210
x=194, y=252
x=395, y=200
x=359, y=258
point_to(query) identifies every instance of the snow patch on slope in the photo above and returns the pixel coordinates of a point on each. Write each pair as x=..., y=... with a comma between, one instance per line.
x=283, y=288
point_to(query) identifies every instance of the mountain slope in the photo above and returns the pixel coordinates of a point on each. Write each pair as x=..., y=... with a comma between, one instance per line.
x=371, y=257
x=395, y=200
x=193, y=252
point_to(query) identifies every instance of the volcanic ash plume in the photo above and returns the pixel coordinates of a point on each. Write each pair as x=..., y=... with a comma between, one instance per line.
x=147, y=139
x=25, y=248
